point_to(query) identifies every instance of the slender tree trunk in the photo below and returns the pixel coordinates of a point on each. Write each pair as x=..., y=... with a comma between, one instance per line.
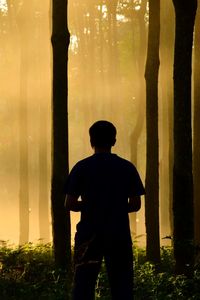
x=196, y=141
x=166, y=112
x=137, y=131
x=43, y=176
x=60, y=164
x=44, y=228
x=182, y=171
x=152, y=174
x=23, y=129
x=23, y=153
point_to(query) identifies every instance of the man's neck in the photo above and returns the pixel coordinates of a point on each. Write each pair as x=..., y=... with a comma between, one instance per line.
x=102, y=150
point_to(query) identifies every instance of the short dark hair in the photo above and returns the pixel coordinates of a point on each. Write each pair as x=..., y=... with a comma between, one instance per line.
x=102, y=134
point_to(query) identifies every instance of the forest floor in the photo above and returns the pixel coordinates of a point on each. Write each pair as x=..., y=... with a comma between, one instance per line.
x=28, y=272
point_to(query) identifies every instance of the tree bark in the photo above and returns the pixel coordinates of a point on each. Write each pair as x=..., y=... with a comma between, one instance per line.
x=60, y=161
x=182, y=170
x=152, y=173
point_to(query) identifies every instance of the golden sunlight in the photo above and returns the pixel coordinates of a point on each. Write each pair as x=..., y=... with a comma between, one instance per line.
x=3, y=6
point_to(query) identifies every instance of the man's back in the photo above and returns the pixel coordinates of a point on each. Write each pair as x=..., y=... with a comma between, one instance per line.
x=105, y=182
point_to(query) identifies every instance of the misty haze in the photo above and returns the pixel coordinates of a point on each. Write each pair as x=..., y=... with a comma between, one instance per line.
x=106, y=81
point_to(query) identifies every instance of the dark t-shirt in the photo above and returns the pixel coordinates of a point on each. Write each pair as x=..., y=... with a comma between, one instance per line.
x=104, y=181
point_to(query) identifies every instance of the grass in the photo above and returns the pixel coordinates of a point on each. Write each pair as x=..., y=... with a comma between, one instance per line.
x=28, y=272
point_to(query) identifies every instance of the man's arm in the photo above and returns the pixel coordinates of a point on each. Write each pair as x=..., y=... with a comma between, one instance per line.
x=134, y=204
x=72, y=203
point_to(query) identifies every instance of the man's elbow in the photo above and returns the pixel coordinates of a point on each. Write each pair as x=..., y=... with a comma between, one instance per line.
x=134, y=204
x=137, y=206
x=134, y=208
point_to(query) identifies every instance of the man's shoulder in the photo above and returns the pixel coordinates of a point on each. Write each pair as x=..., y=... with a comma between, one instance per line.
x=84, y=161
x=125, y=162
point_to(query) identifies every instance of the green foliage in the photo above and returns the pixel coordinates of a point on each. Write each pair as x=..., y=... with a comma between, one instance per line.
x=28, y=272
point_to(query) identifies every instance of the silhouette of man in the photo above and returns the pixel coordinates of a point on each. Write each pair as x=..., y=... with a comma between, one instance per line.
x=110, y=188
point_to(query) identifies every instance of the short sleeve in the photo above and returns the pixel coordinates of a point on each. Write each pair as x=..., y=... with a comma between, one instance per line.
x=136, y=187
x=73, y=182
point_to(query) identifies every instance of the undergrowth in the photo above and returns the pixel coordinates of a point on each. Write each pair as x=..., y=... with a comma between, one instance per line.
x=28, y=272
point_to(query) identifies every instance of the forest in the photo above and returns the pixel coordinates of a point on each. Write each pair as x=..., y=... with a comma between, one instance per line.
x=65, y=64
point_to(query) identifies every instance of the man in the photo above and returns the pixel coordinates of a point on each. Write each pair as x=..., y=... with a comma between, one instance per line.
x=110, y=188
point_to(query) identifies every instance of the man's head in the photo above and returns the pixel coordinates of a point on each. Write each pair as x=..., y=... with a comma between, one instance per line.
x=102, y=134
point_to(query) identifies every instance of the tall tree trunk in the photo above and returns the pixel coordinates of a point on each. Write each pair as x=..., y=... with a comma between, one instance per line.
x=166, y=112
x=23, y=128
x=60, y=164
x=196, y=138
x=152, y=174
x=137, y=131
x=182, y=171
x=43, y=31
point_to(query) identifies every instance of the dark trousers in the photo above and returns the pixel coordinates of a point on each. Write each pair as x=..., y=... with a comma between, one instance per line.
x=119, y=264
